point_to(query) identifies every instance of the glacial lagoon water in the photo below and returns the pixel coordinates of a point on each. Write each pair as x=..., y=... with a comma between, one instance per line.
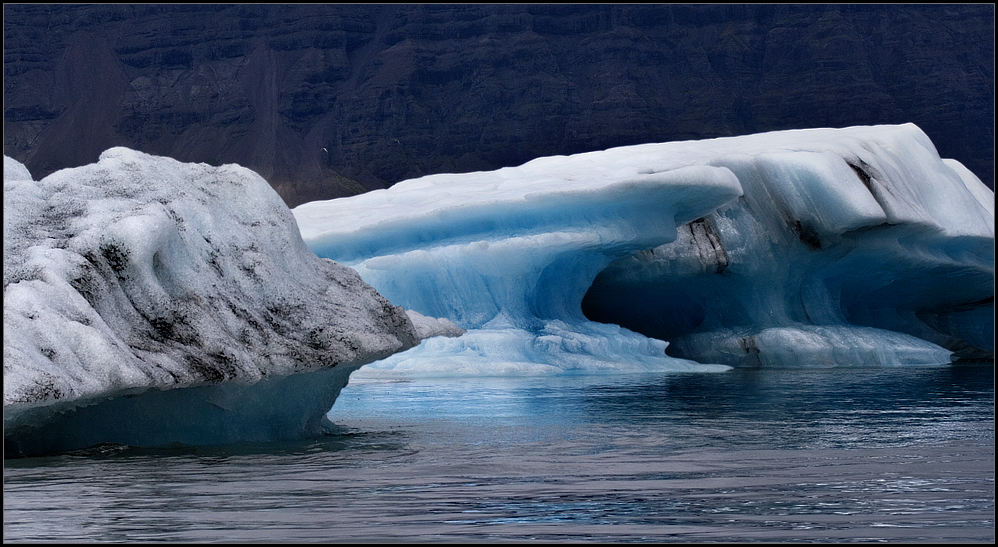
x=858, y=455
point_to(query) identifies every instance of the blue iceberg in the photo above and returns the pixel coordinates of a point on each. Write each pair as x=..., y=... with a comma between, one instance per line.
x=805, y=248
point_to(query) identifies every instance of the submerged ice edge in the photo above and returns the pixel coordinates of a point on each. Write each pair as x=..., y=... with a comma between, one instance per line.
x=554, y=349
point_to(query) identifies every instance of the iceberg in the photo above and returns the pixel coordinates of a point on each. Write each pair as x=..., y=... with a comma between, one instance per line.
x=819, y=247
x=149, y=301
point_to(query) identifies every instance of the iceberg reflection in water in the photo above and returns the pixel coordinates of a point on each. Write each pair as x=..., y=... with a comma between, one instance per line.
x=879, y=454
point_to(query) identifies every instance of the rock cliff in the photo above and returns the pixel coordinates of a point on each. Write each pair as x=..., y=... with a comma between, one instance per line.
x=332, y=100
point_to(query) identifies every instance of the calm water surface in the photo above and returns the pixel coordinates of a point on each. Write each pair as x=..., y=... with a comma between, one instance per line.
x=813, y=455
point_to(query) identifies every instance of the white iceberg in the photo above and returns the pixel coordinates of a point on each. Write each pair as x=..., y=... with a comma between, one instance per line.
x=133, y=277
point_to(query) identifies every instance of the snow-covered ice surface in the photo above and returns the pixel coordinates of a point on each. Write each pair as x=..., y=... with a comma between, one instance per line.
x=821, y=247
x=132, y=277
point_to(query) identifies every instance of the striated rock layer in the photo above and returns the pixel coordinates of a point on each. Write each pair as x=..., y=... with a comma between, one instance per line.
x=149, y=301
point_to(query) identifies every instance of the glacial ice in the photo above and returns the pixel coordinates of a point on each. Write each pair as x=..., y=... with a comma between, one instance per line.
x=148, y=301
x=804, y=248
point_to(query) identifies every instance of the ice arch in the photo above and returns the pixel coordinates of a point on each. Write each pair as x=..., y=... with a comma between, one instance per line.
x=509, y=254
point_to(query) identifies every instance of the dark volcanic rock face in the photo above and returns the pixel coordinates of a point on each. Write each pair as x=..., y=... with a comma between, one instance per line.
x=332, y=100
